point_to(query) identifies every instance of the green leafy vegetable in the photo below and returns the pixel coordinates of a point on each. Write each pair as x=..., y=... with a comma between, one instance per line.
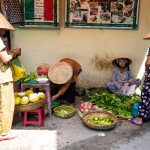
x=120, y=104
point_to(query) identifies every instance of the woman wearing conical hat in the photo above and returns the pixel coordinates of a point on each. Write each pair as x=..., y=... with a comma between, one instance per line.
x=6, y=83
x=122, y=79
x=144, y=104
x=64, y=75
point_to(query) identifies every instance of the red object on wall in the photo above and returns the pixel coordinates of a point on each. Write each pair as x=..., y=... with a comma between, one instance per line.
x=48, y=10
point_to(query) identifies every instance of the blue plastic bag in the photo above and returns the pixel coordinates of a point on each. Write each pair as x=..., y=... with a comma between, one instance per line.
x=135, y=110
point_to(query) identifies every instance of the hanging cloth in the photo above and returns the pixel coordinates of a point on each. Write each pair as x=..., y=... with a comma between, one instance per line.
x=13, y=11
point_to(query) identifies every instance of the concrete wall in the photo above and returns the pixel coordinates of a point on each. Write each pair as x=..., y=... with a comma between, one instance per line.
x=93, y=48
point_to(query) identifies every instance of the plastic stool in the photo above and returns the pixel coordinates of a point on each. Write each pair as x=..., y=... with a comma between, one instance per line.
x=40, y=116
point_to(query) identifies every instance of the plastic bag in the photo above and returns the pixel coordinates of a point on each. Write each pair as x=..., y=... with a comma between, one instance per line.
x=18, y=70
x=85, y=107
x=131, y=90
x=43, y=69
x=135, y=110
x=128, y=90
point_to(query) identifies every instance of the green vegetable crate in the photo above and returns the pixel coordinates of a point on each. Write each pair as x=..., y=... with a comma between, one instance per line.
x=64, y=111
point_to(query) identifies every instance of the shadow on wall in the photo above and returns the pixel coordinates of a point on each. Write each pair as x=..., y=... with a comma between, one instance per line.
x=99, y=63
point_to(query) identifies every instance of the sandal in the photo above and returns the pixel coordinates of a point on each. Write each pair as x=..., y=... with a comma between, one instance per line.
x=7, y=137
x=131, y=120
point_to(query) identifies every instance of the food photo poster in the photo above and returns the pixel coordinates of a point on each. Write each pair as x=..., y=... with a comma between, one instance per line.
x=102, y=13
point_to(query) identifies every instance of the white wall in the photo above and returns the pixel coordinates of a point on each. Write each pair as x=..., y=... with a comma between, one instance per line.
x=49, y=45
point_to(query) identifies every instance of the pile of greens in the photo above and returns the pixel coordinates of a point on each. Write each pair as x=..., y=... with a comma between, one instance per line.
x=121, y=105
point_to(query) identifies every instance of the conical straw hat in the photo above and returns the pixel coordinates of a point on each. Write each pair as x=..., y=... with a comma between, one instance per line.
x=147, y=36
x=115, y=61
x=60, y=73
x=4, y=24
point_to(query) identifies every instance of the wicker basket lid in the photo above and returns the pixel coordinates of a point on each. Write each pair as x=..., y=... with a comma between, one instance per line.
x=4, y=24
x=60, y=73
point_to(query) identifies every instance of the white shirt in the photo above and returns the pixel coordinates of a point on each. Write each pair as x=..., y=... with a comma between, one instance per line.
x=2, y=46
x=5, y=76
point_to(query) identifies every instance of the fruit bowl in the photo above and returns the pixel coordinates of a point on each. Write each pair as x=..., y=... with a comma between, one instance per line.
x=99, y=114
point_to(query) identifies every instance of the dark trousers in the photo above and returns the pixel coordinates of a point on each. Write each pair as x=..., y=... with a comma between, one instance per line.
x=69, y=95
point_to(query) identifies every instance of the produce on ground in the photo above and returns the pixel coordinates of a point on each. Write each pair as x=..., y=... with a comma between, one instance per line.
x=121, y=105
x=101, y=120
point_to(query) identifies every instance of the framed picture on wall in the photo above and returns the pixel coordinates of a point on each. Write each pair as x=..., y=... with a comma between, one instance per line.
x=40, y=13
x=121, y=14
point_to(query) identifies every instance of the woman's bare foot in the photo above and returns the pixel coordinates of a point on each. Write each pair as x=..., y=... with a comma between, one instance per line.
x=135, y=121
x=138, y=120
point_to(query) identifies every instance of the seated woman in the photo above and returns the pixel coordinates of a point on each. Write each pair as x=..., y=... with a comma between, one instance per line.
x=122, y=79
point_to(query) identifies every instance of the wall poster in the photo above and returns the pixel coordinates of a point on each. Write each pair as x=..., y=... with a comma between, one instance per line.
x=41, y=12
x=102, y=13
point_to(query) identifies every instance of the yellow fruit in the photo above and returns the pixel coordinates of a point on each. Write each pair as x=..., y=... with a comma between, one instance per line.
x=28, y=92
x=34, y=99
x=24, y=100
x=21, y=94
x=41, y=95
x=27, y=79
x=17, y=100
x=16, y=93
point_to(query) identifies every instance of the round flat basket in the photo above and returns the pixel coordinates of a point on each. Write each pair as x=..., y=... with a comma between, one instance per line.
x=64, y=111
x=30, y=106
x=99, y=114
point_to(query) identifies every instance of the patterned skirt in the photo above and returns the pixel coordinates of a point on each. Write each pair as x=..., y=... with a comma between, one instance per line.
x=6, y=107
x=144, y=104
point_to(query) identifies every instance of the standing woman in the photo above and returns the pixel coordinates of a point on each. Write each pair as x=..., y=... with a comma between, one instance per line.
x=144, y=104
x=6, y=83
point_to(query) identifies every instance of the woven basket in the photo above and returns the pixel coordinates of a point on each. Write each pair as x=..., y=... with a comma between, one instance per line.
x=89, y=115
x=30, y=106
x=68, y=111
